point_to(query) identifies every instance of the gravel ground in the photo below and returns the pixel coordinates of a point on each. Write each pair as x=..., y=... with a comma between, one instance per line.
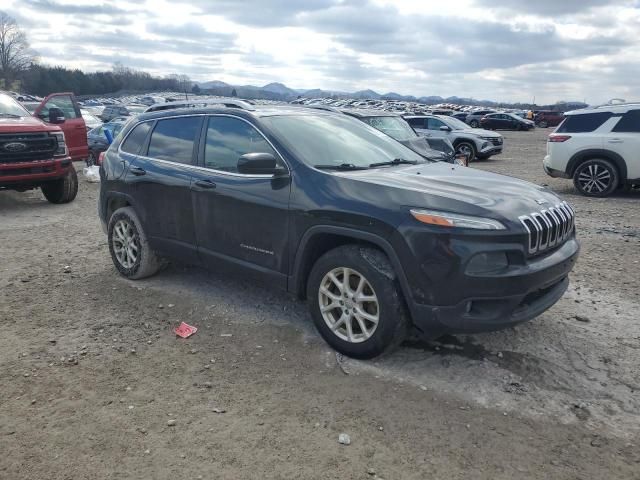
x=95, y=384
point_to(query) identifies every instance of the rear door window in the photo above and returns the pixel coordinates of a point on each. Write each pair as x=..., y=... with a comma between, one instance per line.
x=586, y=122
x=136, y=139
x=630, y=122
x=173, y=139
x=416, y=122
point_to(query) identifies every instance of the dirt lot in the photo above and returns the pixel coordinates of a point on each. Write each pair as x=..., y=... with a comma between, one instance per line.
x=95, y=385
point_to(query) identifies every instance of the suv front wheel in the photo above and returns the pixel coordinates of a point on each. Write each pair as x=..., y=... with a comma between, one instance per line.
x=356, y=303
x=596, y=178
x=128, y=245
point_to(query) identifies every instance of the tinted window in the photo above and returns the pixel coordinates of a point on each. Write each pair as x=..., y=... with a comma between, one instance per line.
x=586, y=122
x=64, y=103
x=630, y=122
x=230, y=138
x=173, y=139
x=136, y=138
x=416, y=122
x=434, y=124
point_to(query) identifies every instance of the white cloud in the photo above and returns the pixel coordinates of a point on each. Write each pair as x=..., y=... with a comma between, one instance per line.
x=549, y=49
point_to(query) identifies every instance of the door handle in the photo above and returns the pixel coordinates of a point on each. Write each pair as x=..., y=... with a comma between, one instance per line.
x=207, y=184
x=137, y=171
x=616, y=140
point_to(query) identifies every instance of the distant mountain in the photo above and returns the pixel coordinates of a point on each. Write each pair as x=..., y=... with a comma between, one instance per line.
x=279, y=91
x=366, y=95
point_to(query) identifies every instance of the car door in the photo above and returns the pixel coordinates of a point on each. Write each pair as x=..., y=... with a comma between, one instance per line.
x=240, y=218
x=160, y=181
x=73, y=126
x=624, y=139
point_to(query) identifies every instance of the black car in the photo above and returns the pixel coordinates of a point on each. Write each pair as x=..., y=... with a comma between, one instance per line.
x=113, y=111
x=505, y=121
x=473, y=118
x=377, y=238
x=97, y=139
x=437, y=149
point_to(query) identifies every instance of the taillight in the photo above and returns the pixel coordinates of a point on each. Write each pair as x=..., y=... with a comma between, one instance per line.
x=558, y=138
x=101, y=158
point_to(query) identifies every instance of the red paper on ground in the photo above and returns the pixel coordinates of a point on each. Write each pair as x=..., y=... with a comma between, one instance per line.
x=184, y=330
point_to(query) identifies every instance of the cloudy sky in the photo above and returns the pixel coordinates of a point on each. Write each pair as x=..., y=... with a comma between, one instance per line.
x=509, y=50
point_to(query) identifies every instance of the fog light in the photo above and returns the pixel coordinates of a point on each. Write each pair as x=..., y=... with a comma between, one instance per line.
x=487, y=262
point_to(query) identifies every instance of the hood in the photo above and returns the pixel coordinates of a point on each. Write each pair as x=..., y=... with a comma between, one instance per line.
x=421, y=146
x=451, y=188
x=25, y=124
x=480, y=132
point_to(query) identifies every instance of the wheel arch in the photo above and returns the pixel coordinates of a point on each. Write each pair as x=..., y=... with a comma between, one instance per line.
x=320, y=239
x=593, y=153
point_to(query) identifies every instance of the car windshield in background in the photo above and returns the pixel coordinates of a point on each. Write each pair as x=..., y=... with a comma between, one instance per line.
x=10, y=108
x=454, y=123
x=136, y=110
x=329, y=140
x=393, y=126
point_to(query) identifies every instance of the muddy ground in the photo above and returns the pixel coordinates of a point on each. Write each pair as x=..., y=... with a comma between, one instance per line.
x=94, y=384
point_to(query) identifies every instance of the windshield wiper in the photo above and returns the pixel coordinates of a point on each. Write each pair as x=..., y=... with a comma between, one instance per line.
x=12, y=115
x=395, y=161
x=341, y=166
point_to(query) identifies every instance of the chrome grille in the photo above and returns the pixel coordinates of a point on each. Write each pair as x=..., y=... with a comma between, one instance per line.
x=549, y=228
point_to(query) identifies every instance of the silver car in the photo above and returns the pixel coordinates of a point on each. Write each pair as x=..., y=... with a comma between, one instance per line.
x=473, y=142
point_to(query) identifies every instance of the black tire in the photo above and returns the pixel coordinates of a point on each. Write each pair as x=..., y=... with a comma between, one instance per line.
x=374, y=266
x=91, y=159
x=468, y=148
x=474, y=124
x=146, y=262
x=63, y=190
x=597, y=177
x=543, y=124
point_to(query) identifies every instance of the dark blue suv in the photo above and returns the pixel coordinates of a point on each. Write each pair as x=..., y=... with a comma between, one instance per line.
x=376, y=237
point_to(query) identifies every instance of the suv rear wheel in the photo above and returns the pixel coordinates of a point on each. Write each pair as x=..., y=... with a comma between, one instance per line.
x=474, y=124
x=128, y=245
x=596, y=178
x=356, y=303
x=63, y=190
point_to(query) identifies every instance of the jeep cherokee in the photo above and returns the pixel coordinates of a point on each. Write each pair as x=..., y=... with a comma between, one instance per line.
x=377, y=238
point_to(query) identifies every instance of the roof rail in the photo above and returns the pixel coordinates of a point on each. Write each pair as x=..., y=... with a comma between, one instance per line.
x=617, y=102
x=229, y=103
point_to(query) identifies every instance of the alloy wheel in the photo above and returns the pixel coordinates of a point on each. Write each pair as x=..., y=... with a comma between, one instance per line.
x=349, y=305
x=465, y=149
x=126, y=243
x=594, y=179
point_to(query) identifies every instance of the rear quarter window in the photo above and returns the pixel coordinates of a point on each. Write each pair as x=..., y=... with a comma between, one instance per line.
x=585, y=122
x=135, y=140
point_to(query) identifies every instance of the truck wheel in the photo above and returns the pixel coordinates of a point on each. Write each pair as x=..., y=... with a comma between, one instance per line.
x=91, y=159
x=596, y=178
x=128, y=245
x=467, y=148
x=63, y=190
x=356, y=303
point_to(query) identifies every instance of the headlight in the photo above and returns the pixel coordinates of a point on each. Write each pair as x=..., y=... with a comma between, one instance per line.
x=488, y=262
x=61, y=149
x=446, y=219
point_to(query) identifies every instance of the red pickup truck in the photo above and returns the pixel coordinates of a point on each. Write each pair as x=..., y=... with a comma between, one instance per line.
x=36, y=151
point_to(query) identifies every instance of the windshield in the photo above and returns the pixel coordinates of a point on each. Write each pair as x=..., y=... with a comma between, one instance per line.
x=454, y=123
x=335, y=140
x=393, y=126
x=136, y=108
x=9, y=107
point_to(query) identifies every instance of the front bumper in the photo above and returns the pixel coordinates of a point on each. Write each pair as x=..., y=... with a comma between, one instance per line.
x=490, y=150
x=493, y=302
x=33, y=173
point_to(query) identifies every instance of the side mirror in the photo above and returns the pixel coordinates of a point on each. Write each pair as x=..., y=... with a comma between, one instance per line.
x=445, y=128
x=258, y=164
x=56, y=116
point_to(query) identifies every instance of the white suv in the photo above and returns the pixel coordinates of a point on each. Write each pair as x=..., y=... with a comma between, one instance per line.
x=598, y=147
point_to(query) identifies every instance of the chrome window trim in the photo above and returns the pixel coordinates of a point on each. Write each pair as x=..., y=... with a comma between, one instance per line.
x=197, y=167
